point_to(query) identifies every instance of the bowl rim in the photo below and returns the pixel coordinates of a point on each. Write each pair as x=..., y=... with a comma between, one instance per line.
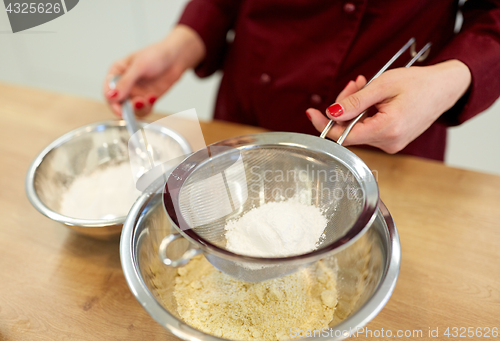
x=347, y=327
x=92, y=127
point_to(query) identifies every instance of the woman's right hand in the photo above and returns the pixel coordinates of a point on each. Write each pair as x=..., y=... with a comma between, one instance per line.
x=149, y=73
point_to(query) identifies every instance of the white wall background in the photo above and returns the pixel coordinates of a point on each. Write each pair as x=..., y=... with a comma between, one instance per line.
x=72, y=54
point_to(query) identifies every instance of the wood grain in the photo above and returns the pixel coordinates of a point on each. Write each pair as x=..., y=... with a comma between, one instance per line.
x=56, y=285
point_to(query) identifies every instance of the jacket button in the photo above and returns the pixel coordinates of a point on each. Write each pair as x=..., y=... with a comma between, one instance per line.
x=349, y=7
x=265, y=78
x=316, y=99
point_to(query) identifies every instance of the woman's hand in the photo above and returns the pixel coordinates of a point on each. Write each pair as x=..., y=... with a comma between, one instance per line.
x=408, y=101
x=149, y=73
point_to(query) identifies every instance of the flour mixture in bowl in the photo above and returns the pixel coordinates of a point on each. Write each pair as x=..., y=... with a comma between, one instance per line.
x=107, y=191
x=218, y=304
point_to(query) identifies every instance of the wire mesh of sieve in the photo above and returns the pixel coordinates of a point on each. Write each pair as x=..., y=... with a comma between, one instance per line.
x=226, y=180
x=228, y=186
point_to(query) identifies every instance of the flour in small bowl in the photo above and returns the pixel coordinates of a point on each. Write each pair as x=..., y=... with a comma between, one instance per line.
x=106, y=192
x=276, y=229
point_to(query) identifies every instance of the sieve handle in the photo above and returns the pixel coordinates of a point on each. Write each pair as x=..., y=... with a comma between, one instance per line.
x=420, y=56
x=182, y=260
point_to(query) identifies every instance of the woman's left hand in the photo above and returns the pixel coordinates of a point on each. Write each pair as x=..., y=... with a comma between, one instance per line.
x=408, y=101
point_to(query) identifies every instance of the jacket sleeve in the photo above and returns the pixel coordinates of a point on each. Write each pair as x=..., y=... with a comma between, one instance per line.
x=478, y=46
x=211, y=19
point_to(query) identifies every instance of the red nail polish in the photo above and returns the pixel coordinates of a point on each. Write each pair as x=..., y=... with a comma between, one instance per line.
x=152, y=99
x=335, y=110
x=308, y=116
x=112, y=93
x=139, y=105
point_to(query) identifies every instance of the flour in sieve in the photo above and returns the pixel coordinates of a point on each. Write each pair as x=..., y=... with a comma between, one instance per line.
x=106, y=191
x=276, y=229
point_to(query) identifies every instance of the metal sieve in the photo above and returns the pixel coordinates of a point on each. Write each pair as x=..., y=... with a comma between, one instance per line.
x=227, y=179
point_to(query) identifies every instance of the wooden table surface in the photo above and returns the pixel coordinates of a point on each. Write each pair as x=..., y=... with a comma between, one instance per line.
x=57, y=285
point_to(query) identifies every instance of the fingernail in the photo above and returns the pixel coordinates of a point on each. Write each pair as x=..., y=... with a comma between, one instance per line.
x=139, y=105
x=152, y=99
x=308, y=115
x=112, y=93
x=335, y=110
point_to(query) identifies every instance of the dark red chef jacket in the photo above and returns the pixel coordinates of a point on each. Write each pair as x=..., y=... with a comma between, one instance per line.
x=290, y=55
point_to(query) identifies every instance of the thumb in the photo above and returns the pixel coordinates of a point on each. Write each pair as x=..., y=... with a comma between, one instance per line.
x=354, y=104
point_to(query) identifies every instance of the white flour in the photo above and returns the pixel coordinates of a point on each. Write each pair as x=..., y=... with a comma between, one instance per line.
x=276, y=229
x=107, y=191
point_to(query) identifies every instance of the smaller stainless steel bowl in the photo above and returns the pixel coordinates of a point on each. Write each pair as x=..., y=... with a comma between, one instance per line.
x=78, y=152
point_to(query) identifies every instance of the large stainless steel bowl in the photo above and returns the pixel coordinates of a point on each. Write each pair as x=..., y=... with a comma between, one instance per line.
x=82, y=151
x=367, y=270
